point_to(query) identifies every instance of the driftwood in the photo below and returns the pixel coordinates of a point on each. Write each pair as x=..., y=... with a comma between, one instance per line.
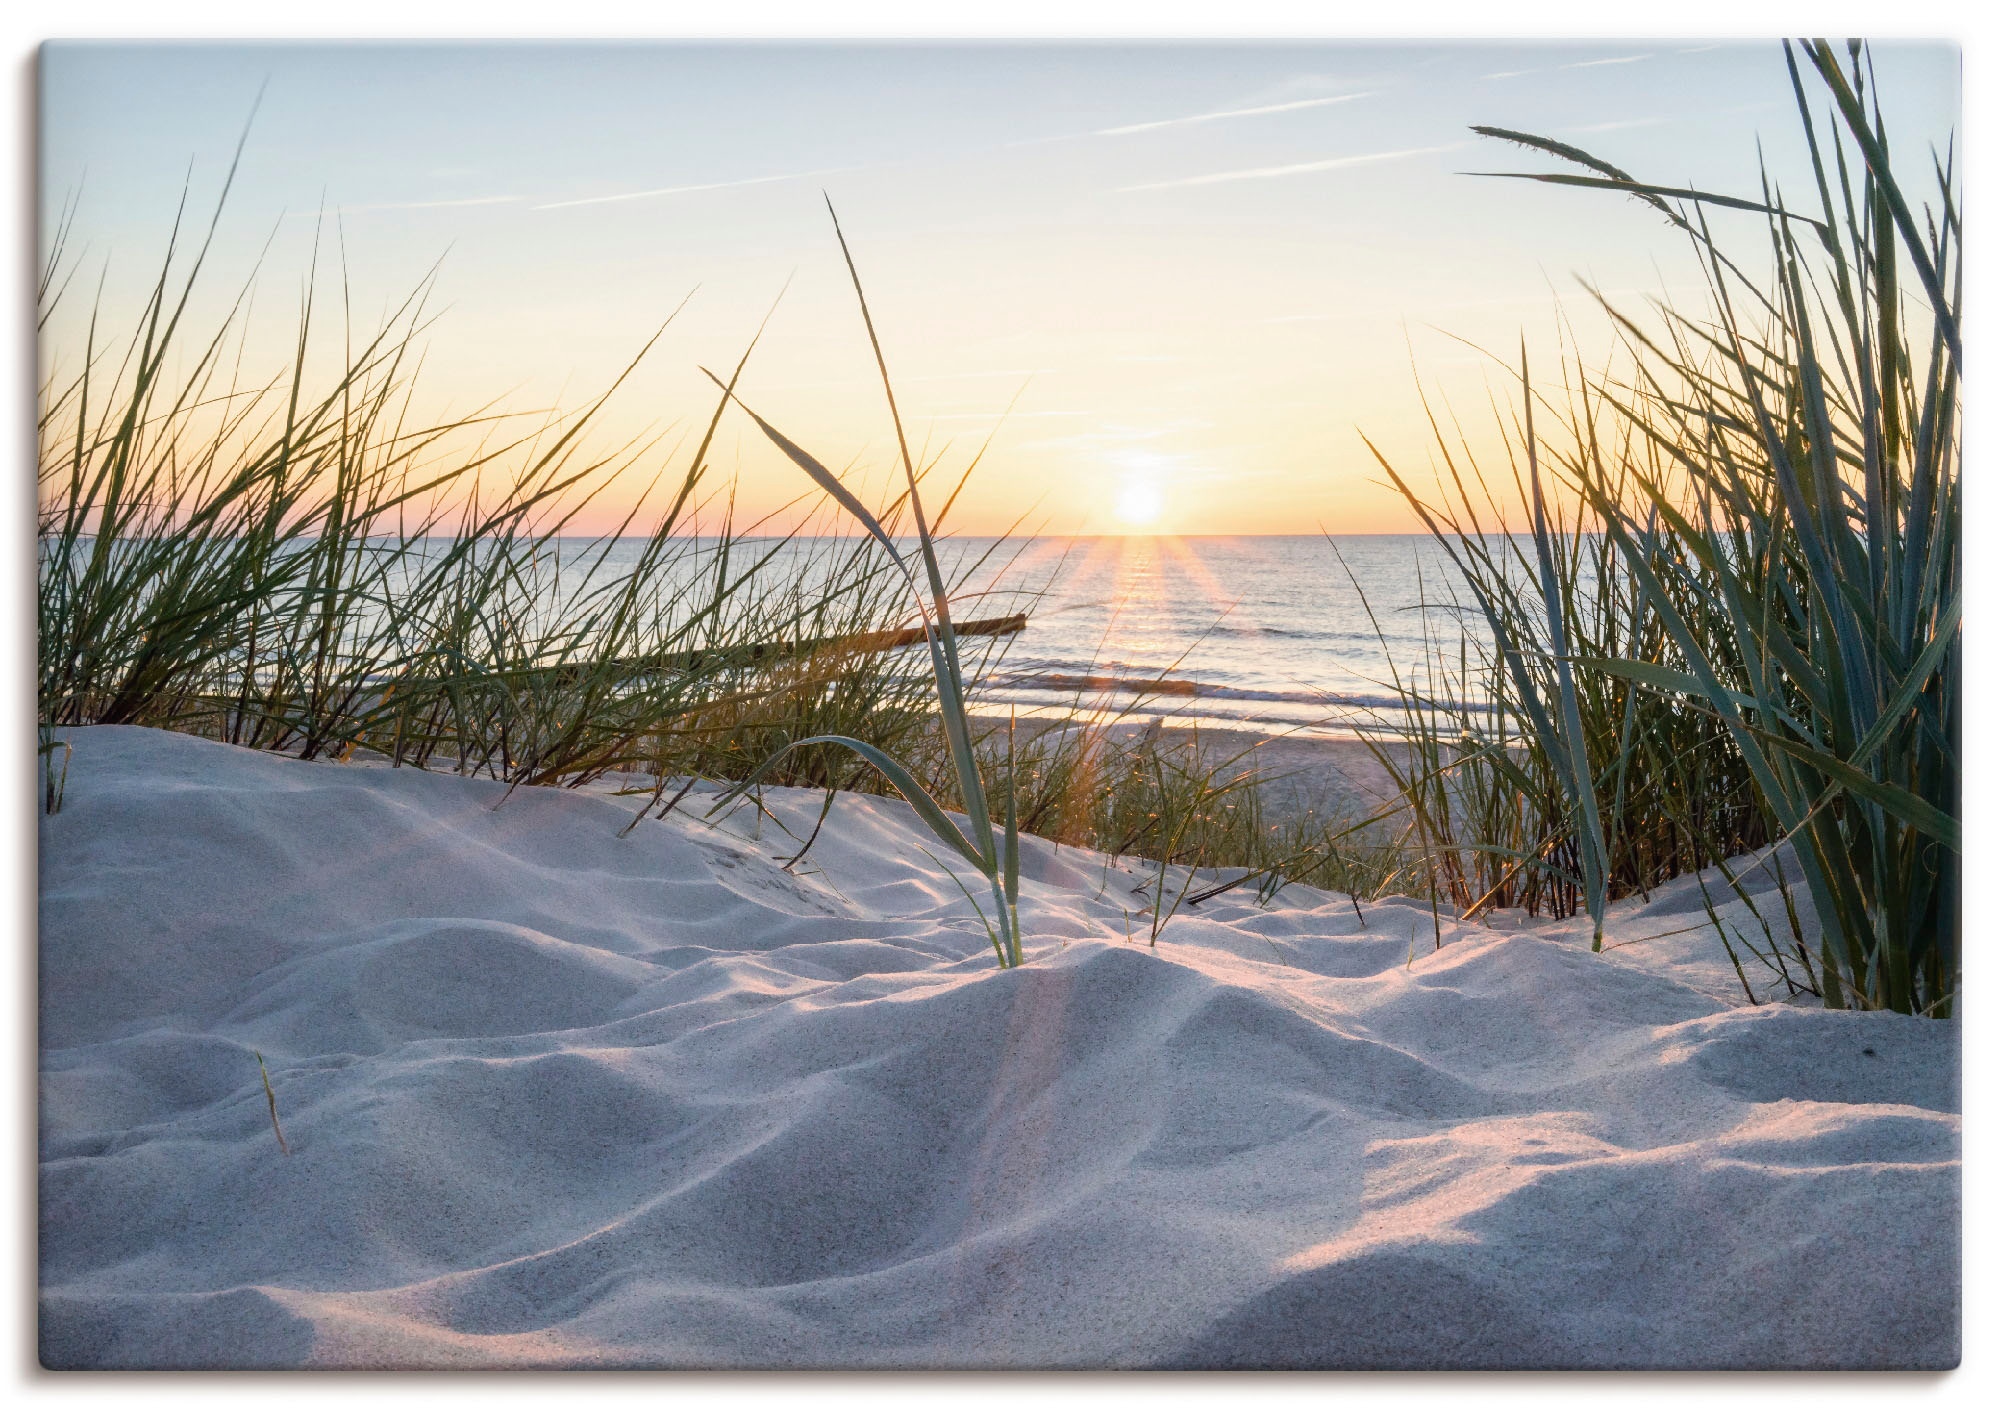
x=1116, y=682
x=628, y=668
x=861, y=642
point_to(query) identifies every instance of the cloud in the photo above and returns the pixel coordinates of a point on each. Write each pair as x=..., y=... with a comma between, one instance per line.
x=1618, y=126
x=1119, y=434
x=689, y=190
x=1602, y=63
x=1255, y=109
x=1581, y=63
x=1460, y=305
x=412, y=205
x=1623, y=123
x=1319, y=85
x=1303, y=168
x=1009, y=372
x=1000, y=415
x=1294, y=106
x=981, y=376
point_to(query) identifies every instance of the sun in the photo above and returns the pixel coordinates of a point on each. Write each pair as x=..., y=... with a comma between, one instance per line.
x=1140, y=502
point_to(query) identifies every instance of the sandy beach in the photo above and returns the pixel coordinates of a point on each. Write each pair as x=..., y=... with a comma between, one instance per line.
x=1300, y=772
x=1297, y=771
x=555, y=1096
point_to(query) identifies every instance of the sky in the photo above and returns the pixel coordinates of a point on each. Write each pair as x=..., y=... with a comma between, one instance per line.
x=1174, y=284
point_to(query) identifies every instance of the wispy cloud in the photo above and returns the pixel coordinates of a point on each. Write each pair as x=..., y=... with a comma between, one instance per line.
x=1581, y=63
x=1301, y=168
x=1321, y=85
x=1003, y=415
x=1618, y=126
x=689, y=190
x=412, y=205
x=1606, y=63
x=981, y=376
x=1557, y=295
x=1622, y=123
x=1291, y=107
x=1121, y=434
x=1007, y=372
x=1553, y=294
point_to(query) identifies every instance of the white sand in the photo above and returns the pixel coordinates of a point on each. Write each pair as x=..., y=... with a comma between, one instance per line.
x=560, y=1098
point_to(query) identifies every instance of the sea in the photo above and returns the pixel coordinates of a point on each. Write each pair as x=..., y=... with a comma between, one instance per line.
x=1295, y=634
x=1267, y=633
x=1306, y=633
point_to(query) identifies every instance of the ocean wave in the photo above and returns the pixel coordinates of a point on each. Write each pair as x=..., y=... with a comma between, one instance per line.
x=1073, y=684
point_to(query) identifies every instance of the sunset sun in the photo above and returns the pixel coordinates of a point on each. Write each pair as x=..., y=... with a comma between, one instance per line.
x=1140, y=502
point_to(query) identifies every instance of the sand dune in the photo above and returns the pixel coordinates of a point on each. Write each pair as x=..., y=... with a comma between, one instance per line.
x=560, y=1098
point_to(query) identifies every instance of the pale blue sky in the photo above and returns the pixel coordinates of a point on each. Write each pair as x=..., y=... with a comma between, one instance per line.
x=1208, y=264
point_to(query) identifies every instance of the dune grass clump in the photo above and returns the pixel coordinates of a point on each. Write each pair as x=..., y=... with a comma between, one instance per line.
x=297, y=564
x=1535, y=783
x=1750, y=627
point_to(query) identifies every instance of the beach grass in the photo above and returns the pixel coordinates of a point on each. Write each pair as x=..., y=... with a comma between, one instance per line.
x=1748, y=625
x=294, y=564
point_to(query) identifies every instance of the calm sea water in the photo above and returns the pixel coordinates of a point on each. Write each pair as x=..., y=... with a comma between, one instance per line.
x=1276, y=633
x=1268, y=632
